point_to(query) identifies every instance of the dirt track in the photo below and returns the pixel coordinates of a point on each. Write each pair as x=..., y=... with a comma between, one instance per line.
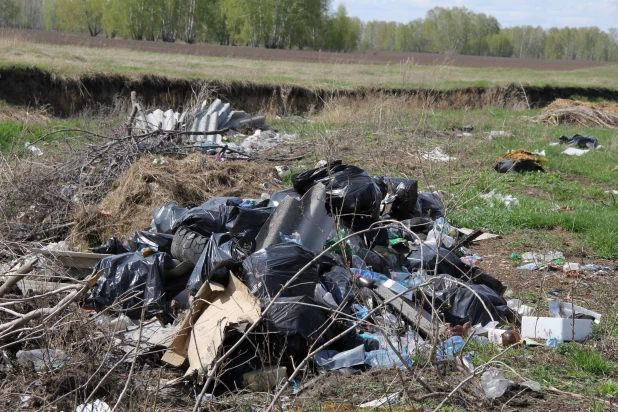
x=371, y=57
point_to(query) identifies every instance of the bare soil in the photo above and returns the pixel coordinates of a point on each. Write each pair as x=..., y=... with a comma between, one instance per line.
x=259, y=53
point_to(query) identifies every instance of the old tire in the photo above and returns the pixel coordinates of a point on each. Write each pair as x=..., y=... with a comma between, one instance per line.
x=187, y=245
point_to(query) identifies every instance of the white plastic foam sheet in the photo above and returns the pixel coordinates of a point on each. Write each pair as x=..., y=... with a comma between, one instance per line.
x=563, y=329
x=572, y=151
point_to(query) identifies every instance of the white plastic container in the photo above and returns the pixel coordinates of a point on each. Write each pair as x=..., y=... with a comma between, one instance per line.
x=545, y=328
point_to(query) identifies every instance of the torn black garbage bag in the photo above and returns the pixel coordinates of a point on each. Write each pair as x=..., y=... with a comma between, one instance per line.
x=167, y=217
x=429, y=204
x=131, y=274
x=216, y=202
x=352, y=192
x=436, y=261
x=304, y=181
x=510, y=165
x=267, y=270
x=219, y=248
x=400, y=196
x=460, y=305
x=339, y=283
x=159, y=242
x=585, y=142
x=245, y=223
x=113, y=246
x=297, y=322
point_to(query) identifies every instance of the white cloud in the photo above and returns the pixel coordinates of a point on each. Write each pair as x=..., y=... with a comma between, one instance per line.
x=547, y=13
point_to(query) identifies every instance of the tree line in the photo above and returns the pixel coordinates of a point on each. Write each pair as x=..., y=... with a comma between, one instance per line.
x=308, y=24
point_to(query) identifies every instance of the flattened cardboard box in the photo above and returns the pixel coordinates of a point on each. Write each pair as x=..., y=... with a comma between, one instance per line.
x=200, y=343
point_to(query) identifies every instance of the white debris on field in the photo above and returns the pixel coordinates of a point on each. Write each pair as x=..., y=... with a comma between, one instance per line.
x=494, y=198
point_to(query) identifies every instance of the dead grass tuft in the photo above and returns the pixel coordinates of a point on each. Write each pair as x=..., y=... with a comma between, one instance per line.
x=579, y=115
x=607, y=107
x=146, y=186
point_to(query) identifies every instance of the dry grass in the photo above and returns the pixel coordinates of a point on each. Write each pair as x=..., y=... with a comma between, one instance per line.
x=607, y=107
x=576, y=115
x=77, y=60
x=145, y=187
x=38, y=117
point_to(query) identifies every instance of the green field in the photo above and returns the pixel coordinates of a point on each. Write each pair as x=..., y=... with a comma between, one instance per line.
x=77, y=60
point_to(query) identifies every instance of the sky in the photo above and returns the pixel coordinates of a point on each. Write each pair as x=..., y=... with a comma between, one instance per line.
x=544, y=13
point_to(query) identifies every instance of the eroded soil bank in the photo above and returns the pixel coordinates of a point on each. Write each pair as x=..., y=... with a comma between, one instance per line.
x=33, y=87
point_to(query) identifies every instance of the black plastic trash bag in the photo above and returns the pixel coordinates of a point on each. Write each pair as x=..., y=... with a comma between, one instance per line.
x=129, y=274
x=219, y=248
x=401, y=198
x=296, y=322
x=167, y=217
x=511, y=166
x=205, y=221
x=304, y=181
x=447, y=261
x=267, y=270
x=113, y=246
x=245, y=223
x=339, y=283
x=159, y=242
x=429, y=205
x=215, y=202
x=460, y=305
x=585, y=142
x=352, y=192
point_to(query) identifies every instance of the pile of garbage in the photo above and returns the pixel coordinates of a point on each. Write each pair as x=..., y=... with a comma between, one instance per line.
x=345, y=270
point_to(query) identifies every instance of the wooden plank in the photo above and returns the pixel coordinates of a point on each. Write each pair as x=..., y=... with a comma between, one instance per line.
x=79, y=260
x=412, y=312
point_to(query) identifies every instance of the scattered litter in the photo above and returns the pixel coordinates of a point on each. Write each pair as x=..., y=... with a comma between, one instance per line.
x=519, y=161
x=437, y=155
x=571, y=151
x=560, y=327
x=553, y=342
x=522, y=309
x=387, y=400
x=96, y=406
x=570, y=267
x=585, y=142
x=35, y=150
x=264, y=140
x=42, y=358
x=494, y=383
x=496, y=198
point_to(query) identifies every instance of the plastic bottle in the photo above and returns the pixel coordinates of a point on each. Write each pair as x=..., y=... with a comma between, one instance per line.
x=379, y=278
x=494, y=383
x=450, y=347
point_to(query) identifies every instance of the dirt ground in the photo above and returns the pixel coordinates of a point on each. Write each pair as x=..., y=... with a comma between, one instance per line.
x=259, y=53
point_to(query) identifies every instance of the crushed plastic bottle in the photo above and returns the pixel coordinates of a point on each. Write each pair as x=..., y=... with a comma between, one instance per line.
x=553, y=342
x=494, y=383
x=472, y=260
x=293, y=238
x=528, y=266
x=387, y=358
x=450, y=347
x=410, y=280
x=594, y=268
x=41, y=358
x=379, y=278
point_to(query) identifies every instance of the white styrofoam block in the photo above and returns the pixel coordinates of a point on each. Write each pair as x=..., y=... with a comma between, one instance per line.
x=545, y=328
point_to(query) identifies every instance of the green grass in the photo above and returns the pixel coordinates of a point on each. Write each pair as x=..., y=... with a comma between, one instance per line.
x=78, y=60
x=13, y=135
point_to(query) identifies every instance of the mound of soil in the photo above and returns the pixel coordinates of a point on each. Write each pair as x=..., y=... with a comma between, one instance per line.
x=146, y=186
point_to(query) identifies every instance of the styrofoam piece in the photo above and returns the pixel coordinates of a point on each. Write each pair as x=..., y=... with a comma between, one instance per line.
x=565, y=310
x=398, y=288
x=571, y=151
x=545, y=328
